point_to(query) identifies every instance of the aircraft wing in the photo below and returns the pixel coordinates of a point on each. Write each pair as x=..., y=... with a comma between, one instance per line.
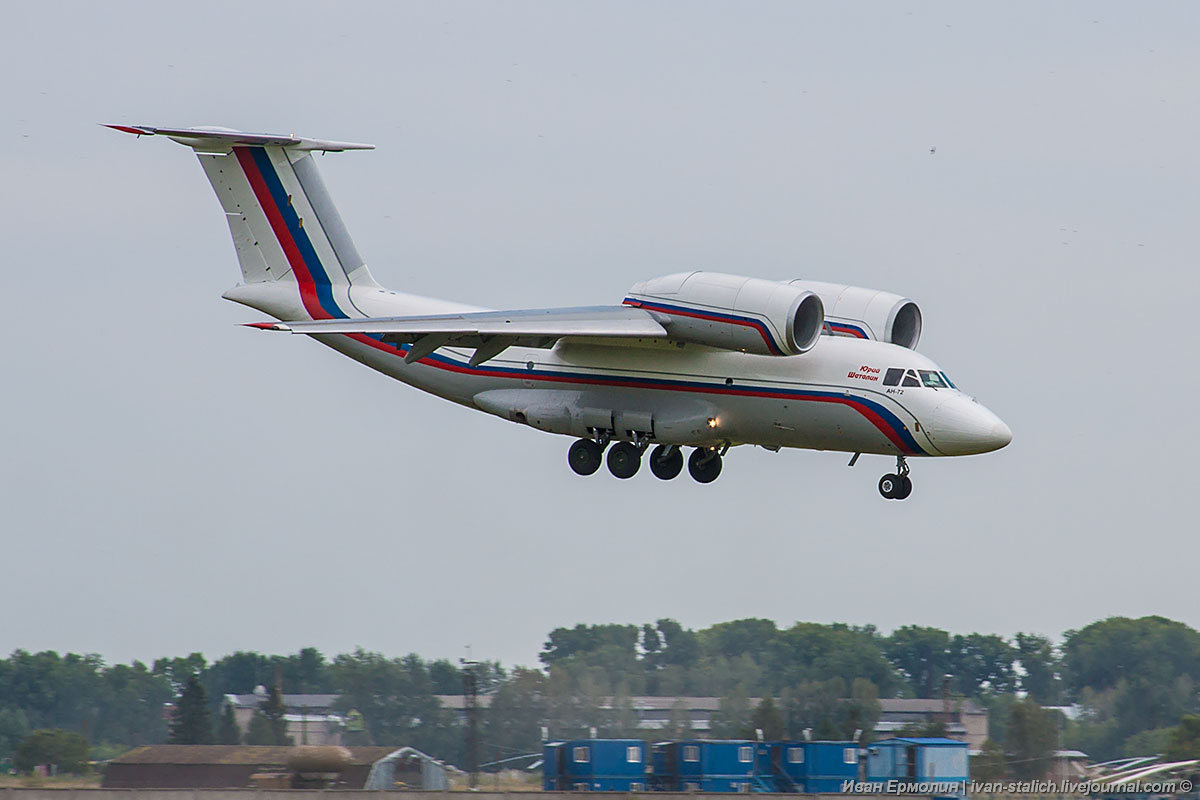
x=489, y=332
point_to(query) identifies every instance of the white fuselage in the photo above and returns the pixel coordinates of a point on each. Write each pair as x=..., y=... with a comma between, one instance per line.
x=830, y=398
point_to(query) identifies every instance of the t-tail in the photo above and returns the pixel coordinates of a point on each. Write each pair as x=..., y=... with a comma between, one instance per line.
x=297, y=259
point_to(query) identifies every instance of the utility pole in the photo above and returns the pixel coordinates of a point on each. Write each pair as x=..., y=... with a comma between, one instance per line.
x=470, y=678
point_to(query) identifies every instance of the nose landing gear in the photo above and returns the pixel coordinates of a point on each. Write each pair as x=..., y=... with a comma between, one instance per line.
x=896, y=486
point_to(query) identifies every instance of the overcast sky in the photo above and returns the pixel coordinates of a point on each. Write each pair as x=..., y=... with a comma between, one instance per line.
x=172, y=482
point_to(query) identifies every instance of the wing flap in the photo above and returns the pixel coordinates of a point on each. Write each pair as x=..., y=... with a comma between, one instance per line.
x=489, y=332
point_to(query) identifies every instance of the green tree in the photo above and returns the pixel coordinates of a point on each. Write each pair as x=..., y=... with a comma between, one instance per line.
x=65, y=750
x=1032, y=738
x=1184, y=743
x=732, y=717
x=811, y=652
x=1149, y=743
x=1040, y=664
x=923, y=655
x=989, y=765
x=13, y=728
x=679, y=723
x=1155, y=650
x=273, y=712
x=766, y=718
x=815, y=707
x=862, y=710
x=259, y=731
x=513, y=721
x=227, y=728
x=191, y=722
x=982, y=663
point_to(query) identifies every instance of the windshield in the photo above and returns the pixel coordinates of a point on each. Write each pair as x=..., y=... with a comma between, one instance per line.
x=933, y=379
x=929, y=378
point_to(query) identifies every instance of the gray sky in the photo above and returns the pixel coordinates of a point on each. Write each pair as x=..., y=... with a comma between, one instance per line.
x=172, y=482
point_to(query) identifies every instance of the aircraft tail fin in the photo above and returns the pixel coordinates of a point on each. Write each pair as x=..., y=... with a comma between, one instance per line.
x=284, y=224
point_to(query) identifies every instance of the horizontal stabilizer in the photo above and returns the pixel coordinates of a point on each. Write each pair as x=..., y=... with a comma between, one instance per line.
x=489, y=332
x=207, y=137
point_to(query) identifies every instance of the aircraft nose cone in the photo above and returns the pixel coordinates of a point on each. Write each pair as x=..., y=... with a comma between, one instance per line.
x=960, y=426
x=1000, y=436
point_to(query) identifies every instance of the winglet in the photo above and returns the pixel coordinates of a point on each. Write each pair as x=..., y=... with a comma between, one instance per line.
x=206, y=136
x=267, y=326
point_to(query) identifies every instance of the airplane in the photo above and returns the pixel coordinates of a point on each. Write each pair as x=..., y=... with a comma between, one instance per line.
x=700, y=360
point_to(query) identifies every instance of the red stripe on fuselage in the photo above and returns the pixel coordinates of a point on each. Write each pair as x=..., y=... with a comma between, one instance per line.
x=462, y=369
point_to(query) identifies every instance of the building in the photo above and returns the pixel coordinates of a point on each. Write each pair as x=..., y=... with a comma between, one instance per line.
x=964, y=720
x=310, y=717
x=219, y=766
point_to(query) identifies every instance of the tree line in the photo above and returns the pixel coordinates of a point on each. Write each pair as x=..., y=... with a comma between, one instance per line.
x=1131, y=682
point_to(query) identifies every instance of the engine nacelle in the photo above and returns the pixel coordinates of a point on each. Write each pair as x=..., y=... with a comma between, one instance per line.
x=867, y=313
x=733, y=312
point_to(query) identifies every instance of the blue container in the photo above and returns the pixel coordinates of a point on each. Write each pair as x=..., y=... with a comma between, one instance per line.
x=805, y=767
x=703, y=765
x=919, y=760
x=828, y=765
x=551, y=765
x=598, y=765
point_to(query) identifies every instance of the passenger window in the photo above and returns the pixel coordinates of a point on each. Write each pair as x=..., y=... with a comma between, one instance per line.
x=892, y=377
x=933, y=379
x=910, y=379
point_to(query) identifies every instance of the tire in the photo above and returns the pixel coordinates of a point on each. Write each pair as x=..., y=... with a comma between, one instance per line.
x=889, y=485
x=707, y=471
x=585, y=457
x=624, y=459
x=666, y=468
x=905, y=488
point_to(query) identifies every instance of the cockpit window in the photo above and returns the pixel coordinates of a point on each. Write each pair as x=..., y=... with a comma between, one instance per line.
x=892, y=377
x=933, y=379
x=910, y=379
x=948, y=381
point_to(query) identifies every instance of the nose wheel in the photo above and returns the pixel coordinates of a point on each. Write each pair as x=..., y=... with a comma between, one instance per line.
x=896, y=486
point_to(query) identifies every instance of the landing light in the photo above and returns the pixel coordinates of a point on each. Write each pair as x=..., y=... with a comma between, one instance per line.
x=712, y=422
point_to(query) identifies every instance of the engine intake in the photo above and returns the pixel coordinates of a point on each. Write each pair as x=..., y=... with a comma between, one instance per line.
x=733, y=312
x=867, y=313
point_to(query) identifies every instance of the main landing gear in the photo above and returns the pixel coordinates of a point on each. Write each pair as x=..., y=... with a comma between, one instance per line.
x=896, y=486
x=625, y=458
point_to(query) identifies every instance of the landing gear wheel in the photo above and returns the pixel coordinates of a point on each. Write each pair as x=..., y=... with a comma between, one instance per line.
x=585, y=457
x=666, y=462
x=704, y=465
x=890, y=485
x=624, y=459
x=905, y=487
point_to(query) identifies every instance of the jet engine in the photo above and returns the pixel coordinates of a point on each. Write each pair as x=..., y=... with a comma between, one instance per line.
x=867, y=313
x=733, y=312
